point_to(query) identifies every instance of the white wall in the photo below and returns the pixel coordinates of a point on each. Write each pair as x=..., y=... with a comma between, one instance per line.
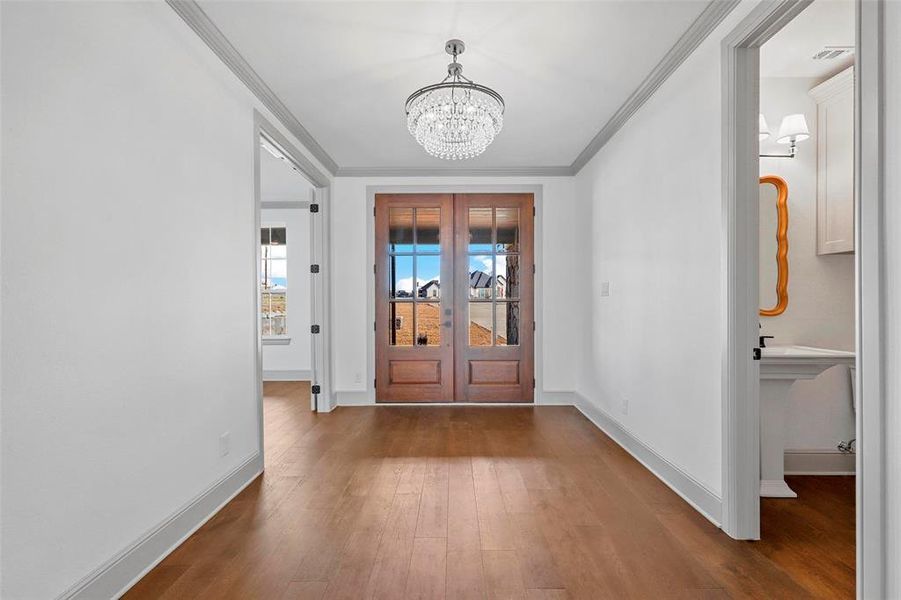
x=563, y=248
x=293, y=360
x=128, y=278
x=892, y=107
x=656, y=235
x=820, y=308
x=821, y=288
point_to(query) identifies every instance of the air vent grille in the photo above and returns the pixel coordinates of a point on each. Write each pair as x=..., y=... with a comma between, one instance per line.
x=833, y=52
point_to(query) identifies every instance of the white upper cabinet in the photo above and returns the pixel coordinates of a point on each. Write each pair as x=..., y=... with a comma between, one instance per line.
x=835, y=163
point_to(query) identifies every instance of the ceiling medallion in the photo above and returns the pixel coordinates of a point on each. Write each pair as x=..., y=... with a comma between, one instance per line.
x=456, y=118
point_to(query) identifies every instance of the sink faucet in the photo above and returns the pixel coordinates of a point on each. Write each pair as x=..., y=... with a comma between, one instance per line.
x=763, y=339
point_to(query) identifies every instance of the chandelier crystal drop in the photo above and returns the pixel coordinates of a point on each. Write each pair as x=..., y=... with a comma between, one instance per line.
x=456, y=118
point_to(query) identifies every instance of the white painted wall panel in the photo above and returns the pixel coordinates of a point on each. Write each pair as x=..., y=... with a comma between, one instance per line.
x=128, y=270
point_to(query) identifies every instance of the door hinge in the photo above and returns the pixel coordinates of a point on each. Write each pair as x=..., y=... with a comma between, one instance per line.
x=533, y=383
x=316, y=389
x=756, y=353
x=314, y=208
x=314, y=268
x=373, y=269
x=533, y=269
x=373, y=382
x=373, y=211
x=533, y=211
x=373, y=325
x=534, y=326
x=314, y=328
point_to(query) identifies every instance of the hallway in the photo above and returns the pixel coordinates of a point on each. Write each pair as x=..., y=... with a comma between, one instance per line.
x=383, y=502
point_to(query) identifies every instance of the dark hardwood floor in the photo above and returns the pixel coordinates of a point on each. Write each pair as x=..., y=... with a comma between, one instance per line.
x=488, y=502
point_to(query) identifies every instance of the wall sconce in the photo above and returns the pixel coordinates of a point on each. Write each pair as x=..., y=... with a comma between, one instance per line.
x=792, y=130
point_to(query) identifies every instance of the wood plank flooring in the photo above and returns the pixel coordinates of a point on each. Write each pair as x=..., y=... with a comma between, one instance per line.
x=487, y=502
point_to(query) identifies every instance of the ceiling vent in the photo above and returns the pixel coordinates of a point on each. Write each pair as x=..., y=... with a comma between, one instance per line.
x=833, y=52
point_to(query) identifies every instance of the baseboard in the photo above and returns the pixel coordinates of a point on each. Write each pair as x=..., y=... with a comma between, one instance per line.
x=556, y=398
x=819, y=462
x=295, y=375
x=691, y=490
x=353, y=398
x=116, y=576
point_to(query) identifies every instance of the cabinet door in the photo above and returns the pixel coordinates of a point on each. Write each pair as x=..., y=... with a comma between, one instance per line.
x=835, y=163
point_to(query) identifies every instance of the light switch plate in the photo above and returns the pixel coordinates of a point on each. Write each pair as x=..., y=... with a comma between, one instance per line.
x=224, y=444
x=605, y=288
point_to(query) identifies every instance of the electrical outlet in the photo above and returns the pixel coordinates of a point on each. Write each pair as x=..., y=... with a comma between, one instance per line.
x=605, y=288
x=624, y=405
x=224, y=444
x=358, y=378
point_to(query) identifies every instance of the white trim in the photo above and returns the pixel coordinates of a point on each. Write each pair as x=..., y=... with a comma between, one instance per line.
x=707, y=21
x=833, y=86
x=819, y=462
x=538, y=193
x=276, y=340
x=198, y=20
x=740, y=375
x=526, y=171
x=288, y=204
x=776, y=488
x=873, y=532
x=320, y=284
x=687, y=487
x=286, y=375
x=121, y=572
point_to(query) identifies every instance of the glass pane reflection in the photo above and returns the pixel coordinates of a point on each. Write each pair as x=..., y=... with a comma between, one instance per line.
x=507, y=315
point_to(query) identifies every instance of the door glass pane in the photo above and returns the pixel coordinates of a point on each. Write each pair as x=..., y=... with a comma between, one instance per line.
x=480, y=323
x=400, y=229
x=278, y=236
x=400, y=323
x=481, y=276
x=428, y=222
x=508, y=326
x=428, y=324
x=400, y=276
x=267, y=326
x=508, y=276
x=428, y=273
x=508, y=230
x=480, y=230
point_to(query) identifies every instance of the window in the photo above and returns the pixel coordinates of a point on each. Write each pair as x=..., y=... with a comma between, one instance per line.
x=274, y=281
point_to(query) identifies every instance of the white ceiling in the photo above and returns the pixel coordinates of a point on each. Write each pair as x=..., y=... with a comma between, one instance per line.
x=279, y=182
x=823, y=23
x=344, y=69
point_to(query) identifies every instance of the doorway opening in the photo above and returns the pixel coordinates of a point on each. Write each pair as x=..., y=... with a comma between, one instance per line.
x=821, y=173
x=290, y=277
x=806, y=287
x=454, y=300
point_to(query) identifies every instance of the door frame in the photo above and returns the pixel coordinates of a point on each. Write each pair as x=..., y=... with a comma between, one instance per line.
x=741, y=433
x=319, y=284
x=538, y=194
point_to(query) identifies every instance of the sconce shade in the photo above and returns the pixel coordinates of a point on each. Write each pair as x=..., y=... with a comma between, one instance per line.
x=763, y=128
x=793, y=129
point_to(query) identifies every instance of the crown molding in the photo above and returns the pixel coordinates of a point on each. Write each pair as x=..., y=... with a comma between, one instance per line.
x=536, y=171
x=707, y=21
x=198, y=20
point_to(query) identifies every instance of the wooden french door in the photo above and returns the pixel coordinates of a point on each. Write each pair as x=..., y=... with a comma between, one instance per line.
x=454, y=297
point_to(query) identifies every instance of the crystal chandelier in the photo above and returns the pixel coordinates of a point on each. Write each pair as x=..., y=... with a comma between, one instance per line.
x=456, y=118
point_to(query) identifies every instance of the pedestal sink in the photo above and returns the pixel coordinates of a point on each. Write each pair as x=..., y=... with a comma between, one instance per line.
x=780, y=367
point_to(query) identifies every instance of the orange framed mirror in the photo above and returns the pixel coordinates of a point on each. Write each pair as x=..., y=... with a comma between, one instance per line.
x=773, y=245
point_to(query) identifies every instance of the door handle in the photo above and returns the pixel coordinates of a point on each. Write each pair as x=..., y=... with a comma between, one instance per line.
x=447, y=323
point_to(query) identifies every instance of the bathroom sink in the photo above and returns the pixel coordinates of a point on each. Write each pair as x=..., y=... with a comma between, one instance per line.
x=803, y=352
x=780, y=367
